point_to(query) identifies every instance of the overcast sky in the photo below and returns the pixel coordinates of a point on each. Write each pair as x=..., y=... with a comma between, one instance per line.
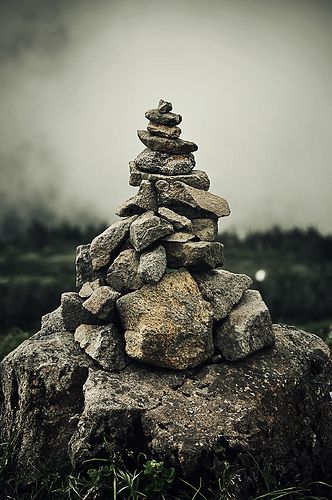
x=252, y=80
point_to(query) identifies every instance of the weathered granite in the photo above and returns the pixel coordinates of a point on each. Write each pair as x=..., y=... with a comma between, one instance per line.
x=164, y=131
x=196, y=178
x=177, y=221
x=152, y=264
x=170, y=119
x=180, y=236
x=144, y=200
x=84, y=269
x=73, y=312
x=102, y=303
x=155, y=162
x=194, y=254
x=147, y=229
x=164, y=106
x=123, y=273
x=165, y=145
x=205, y=229
x=89, y=287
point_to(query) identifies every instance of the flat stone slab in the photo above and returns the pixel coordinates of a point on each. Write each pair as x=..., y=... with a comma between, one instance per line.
x=178, y=193
x=155, y=162
x=147, y=229
x=168, y=324
x=104, y=246
x=222, y=289
x=104, y=344
x=198, y=255
x=161, y=118
x=246, y=329
x=123, y=273
x=180, y=236
x=196, y=178
x=165, y=145
x=164, y=131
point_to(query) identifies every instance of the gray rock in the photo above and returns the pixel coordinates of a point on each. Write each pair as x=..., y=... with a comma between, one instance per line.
x=216, y=419
x=102, y=303
x=152, y=264
x=104, y=344
x=52, y=322
x=165, y=145
x=205, y=229
x=168, y=324
x=164, y=131
x=222, y=289
x=155, y=162
x=104, y=246
x=197, y=178
x=164, y=106
x=83, y=264
x=177, y=221
x=179, y=236
x=145, y=199
x=89, y=287
x=123, y=273
x=246, y=329
x=170, y=119
x=178, y=193
x=194, y=254
x=73, y=312
x=147, y=229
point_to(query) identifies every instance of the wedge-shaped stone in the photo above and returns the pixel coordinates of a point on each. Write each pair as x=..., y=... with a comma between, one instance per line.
x=104, y=246
x=84, y=269
x=194, y=254
x=89, y=287
x=73, y=312
x=222, y=289
x=164, y=131
x=178, y=193
x=145, y=199
x=247, y=328
x=102, y=302
x=147, y=229
x=164, y=106
x=170, y=119
x=123, y=274
x=152, y=264
x=165, y=145
x=196, y=178
x=177, y=221
x=205, y=229
x=104, y=344
x=156, y=162
x=168, y=324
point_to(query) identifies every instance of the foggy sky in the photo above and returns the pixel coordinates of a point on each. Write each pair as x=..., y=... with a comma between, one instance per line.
x=252, y=80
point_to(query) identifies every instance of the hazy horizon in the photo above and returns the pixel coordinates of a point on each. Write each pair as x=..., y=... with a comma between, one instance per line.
x=252, y=80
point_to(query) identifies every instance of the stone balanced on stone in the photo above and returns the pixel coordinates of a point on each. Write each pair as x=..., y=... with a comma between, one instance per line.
x=150, y=286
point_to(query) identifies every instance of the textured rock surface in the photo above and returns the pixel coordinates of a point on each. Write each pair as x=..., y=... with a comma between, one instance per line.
x=83, y=265
x=165, y=145
x=164, y=131
x=105, y=244
x=164, y=106
x=168, y=324
x=205, y=229
x=164, y=163
x=222, y=289
x=102, y=303
x=123, y=273
x=196, y=178
x=53, y=322
x=247, y=328
x=194, y=254
x=170, y=119
x=178, y=193
x=177, y=221
x=152, y=264
x=104, y=344
x=73, y=312
x=147, y=229
x=89, y=287
x=145, y=199
x=179, y=236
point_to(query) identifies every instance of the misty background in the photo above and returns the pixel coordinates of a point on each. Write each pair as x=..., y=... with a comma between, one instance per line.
x=252, y=80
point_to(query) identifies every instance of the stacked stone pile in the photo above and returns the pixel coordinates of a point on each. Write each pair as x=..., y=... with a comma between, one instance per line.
x=150, y=287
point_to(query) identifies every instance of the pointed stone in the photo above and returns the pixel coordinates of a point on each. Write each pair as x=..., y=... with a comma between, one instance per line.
x=73, y=312
x=164, y=131
x=104, y=344
x=247, y=328
x=145, y=199
x=222, y=289
x=164, y=163
x=102, y=302
x=205, y=229
x=170, y=119
x=168, y=324
x=89, y=287
x=84, y=269
x=147, y=229
x=104, y=246
x=197, y=255
x=123, y=274
x=178, y=221
x=164, y=106
x=164, y=145
x=197, y=178
x=152, y=264
x=178, y=193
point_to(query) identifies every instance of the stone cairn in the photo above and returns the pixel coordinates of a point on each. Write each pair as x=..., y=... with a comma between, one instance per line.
x=150, y=286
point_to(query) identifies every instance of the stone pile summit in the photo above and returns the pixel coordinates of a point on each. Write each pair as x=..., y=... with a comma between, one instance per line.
x=151, y=285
